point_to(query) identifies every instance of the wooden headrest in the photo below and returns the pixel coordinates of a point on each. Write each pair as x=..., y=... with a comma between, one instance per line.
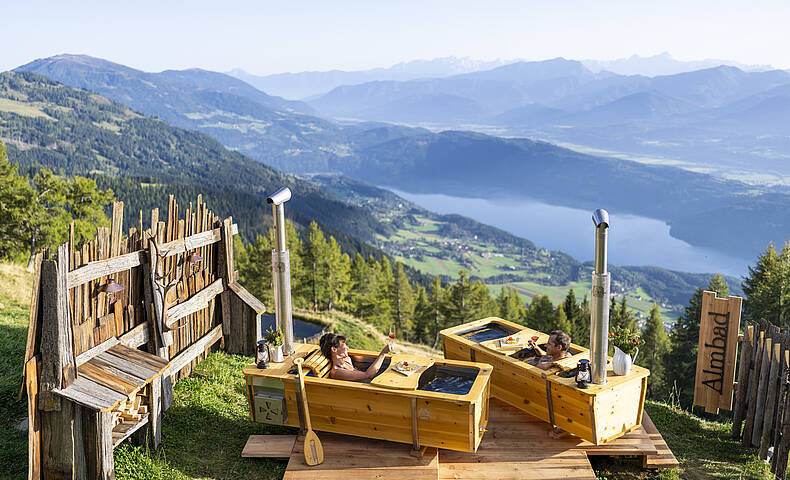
x=318, y=363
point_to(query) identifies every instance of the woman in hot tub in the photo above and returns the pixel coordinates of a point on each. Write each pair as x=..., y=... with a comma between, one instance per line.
x=335, y=349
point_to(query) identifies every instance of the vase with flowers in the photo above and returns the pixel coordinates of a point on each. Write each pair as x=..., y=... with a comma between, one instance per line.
x=626, y=347
x=274, y=338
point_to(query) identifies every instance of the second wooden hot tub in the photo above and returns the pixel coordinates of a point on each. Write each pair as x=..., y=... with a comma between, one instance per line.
x=597, y=414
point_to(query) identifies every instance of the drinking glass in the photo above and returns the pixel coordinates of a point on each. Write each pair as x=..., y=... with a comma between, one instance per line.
x=391, y=339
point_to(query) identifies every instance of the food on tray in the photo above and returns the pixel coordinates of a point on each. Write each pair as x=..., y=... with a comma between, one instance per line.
x=406, y=366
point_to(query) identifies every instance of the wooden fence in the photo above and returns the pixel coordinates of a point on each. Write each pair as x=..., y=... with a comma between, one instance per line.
x=761, y=416
x=88, y=387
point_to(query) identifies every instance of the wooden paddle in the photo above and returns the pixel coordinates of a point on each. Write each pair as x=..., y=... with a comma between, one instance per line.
x=313, y=451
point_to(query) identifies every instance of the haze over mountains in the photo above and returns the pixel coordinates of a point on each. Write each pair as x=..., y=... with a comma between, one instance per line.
x=273, y=131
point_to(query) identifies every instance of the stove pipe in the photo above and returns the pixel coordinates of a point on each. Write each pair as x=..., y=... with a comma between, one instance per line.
x=281, y=271
x=601, y=280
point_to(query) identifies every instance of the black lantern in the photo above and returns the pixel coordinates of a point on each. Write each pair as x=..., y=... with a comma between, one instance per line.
x=262, y=355
x=583, y=373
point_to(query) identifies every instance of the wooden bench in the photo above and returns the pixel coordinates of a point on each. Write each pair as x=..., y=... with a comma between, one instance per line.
x=121, y=381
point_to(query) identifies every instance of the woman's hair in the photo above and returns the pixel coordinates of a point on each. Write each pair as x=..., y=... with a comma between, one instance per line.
x=329, y=340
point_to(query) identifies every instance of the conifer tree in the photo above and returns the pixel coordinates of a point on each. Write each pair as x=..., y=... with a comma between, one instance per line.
x=766, y=287
x=254, y=262
x=336, y=281
x=315, y=253
x=654, y=347
x=402, y=301
x=580, y=326
x=560, y=320
x=436, y=299
x=681, y=359
x=383, y=305
x=456, y=305
x=510, y=305
x=422, y=316
x=540, y=315
x=481, y=304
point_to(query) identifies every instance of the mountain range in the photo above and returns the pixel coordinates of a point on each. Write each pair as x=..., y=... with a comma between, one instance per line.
x=460, y=162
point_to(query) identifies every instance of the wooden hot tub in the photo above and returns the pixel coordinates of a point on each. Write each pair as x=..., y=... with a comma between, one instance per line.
x=597, y=414
x=386, y=408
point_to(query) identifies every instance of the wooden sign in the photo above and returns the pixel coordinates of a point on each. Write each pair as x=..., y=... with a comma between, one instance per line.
x=716, y=356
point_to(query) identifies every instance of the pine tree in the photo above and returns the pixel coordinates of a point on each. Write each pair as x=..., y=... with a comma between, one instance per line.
x=540, y=315
x=580, y=325
x=383, y=304
x=654, y=347
x=681, y=359
x=766, y=287
x=436, y=299
x=560, y=320
x=455, y=308
x=481, y=304
x=254, y=262
x=402, y=301
x=510, y=305
x=422, y=316
x=315, y=253
x=336, y=279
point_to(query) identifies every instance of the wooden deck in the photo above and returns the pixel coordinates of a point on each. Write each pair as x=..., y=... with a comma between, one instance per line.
x=516, y=445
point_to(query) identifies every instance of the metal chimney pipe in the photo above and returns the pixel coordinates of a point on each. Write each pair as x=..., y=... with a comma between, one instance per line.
x=601, y=281
x=281, y=270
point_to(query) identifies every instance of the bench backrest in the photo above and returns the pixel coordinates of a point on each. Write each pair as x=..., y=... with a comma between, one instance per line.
x=318, y=364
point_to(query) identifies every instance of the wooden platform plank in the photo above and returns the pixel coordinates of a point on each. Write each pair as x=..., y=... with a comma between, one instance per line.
x=664, y=458
x=362, y=459
x=269, y=446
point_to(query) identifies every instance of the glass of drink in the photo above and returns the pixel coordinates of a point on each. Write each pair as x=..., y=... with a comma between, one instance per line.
x=391, y=339
x=534, y=341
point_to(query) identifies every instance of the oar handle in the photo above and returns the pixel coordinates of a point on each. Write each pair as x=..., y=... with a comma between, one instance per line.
x=298, y=363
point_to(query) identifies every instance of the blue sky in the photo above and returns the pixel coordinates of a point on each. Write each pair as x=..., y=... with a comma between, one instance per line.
x=288, y=35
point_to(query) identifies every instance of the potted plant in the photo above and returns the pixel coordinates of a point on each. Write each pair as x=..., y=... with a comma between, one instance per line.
x=626, y=348
x=274, y=338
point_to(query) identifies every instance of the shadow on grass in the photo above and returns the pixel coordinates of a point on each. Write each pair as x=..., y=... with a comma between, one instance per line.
x=201, y=443
x=13, y=442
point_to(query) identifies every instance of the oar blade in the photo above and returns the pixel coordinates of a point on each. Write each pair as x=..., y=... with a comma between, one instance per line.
x=313, y=450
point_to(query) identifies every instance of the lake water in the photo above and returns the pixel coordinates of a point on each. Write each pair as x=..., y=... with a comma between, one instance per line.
x=633, y=240
x=301, y=329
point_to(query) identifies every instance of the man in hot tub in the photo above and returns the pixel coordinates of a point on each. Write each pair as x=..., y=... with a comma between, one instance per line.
x=334, y=348
x=556, y=349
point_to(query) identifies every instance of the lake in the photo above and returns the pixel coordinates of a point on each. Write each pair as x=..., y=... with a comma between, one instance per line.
x=302, y=329
x=633, y=240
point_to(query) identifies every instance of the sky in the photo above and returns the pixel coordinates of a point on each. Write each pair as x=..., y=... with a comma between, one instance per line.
x=264, y=37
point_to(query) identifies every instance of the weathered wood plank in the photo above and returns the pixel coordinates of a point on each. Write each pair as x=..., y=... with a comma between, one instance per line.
x=105, y=268
x=783, y=400
x=762, y=391
x=195, y=303
x=65, y=333
x=269, y=446
x=126, y=428
x=102, y=347
x=51, y=366
x=164, y=338
x=155, y=410
x=122, y=364
x=137, y=336
x=34, y=323
x=101, y=376
x=770, y=401
x=192, y=242
x=57, y=441
x=754, y=379
x=247, y=297
x=116, y=229
x=193, y=351
x=33, y=420
x=747, y=345
x=139, y=356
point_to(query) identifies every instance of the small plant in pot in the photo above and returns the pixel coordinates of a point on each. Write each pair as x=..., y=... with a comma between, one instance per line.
x=626, y=348
x=274, y=338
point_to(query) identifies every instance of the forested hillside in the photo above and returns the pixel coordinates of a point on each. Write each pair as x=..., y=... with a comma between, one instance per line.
x=75, y=132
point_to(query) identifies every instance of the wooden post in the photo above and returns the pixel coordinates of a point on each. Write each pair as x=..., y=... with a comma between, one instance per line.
x=747, y=345
x=770, y=401
x=754, y=380
x=164, y=338
x=225, y=266
x=781, y=450
x=781, y=417
x=33, y=419
x=155, y=412
x=762, y=390
x=57, y=442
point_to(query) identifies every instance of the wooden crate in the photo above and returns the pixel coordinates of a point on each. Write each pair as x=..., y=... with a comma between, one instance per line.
x=597, y=414
x=443, y=420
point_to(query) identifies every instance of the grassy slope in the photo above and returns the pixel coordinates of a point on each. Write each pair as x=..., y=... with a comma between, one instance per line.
x=205, y=429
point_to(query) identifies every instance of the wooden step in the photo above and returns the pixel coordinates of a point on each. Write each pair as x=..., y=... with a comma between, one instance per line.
x=269, y=446
x=664, y=457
